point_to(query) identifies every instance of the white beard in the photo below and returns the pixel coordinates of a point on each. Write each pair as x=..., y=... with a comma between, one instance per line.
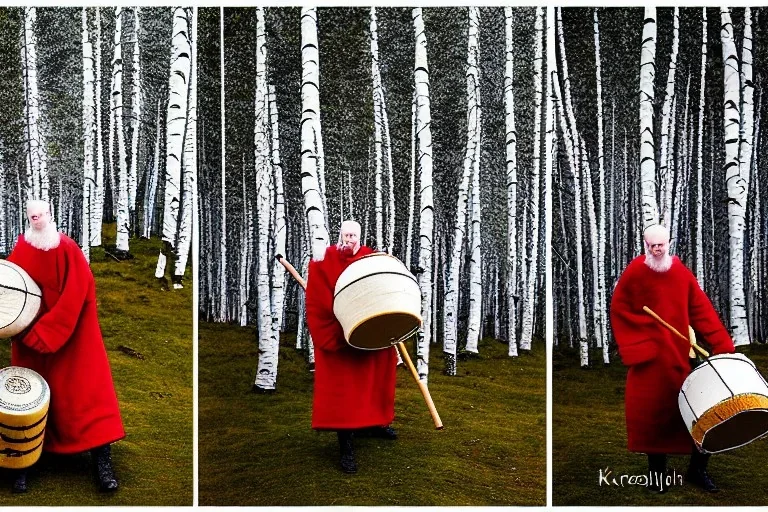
x=658, y=264
x=44, y=239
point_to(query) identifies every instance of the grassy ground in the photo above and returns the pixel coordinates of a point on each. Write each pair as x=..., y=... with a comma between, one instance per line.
x=589, y=434
x=257, y=449
x=154, y=462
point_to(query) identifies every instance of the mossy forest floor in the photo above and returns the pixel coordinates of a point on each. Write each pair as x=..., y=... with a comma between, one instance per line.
x=589, y=434
x=259, y=449
x=152, y=373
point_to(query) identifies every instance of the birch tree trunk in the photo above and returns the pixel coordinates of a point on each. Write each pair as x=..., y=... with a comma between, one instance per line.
x=278, y=272
x=475, y=262
x=36, y=155
x=189, y=162
x=647, y=145
x=528, y=303
x=450, y=334
x=136, y=114
x=426, y=228
x=123, y=219
x=736, y=183
x=97, y=194
x=176, y=118
x=266, y=376
x=668, y=114
x=314, y=196
x=151, y=182
x=699, y=155
x=412, y=193
x=511, y=164
x=89, y=128
x=747, y=87
x=378, y=123
x=602, y=340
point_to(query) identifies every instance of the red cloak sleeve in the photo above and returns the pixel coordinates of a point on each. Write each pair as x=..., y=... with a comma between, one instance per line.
x=56, y=325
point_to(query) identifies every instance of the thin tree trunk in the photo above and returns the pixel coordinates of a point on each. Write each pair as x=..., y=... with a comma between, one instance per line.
x=650, y=208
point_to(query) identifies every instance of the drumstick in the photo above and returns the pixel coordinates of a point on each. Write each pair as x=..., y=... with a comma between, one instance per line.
x=422, y=387
x=290, y=268
x=675, y=331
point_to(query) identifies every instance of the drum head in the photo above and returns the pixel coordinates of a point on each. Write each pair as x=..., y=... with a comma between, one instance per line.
x=20, y=299
x=22, y=391
x=739, y=430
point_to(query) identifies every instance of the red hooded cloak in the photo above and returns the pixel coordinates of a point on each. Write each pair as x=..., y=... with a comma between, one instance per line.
x=657, y=359
x=353, y=388
x=65, y=346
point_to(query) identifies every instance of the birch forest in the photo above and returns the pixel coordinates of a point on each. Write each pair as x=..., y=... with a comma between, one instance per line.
x=98, y=118
x=659, y=119
x=427, y=126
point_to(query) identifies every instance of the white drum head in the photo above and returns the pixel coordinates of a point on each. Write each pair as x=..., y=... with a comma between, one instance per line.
x=22, y=391
x=20, y=299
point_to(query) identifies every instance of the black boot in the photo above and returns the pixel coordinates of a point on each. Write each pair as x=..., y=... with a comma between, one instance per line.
x=347, y=450
x=657, y=470
x=102, y=462
x=20, y=484
x=697, y=471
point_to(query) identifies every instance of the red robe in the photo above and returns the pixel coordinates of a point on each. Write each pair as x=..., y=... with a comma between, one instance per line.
x=353, y=388
x=657, y=359
x=64, y=345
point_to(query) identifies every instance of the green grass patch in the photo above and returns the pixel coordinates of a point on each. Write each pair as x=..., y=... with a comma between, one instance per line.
x=259, y=449
x=152, y=373
x=589, y=434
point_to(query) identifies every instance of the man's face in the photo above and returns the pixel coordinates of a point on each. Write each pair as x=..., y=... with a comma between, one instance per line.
x=658, y=247
x=349, y=240
x=38, y=218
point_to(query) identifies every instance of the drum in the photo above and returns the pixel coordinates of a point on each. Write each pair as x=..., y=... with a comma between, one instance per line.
x=377, y=301
x=724, y=403
x=20, y=299
x=24, y=400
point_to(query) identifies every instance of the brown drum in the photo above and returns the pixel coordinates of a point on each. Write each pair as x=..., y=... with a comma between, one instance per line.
x=377, y=301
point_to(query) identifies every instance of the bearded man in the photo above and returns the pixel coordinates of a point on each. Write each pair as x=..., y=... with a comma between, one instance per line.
x=354, y=389
x=658, y=361
x=65, y=346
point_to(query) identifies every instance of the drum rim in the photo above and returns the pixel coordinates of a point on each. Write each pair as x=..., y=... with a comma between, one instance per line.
x=418, y=318
x=43, y=399
x=701, y=444
x=408, y=275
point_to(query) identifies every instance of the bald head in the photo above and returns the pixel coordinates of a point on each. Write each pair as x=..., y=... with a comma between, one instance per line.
x=349, y=237
x=38, y=213
x=656, y=234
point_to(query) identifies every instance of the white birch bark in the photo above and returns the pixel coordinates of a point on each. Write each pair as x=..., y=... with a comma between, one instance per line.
x=123, y=219
x=189, y=161
x=593, y=241
x=89, y=128
x=549, y=146
x=36, y=153
x=412, y=193
x=222, y=277
x=668, y=115
x=475, y=262
x=602, y=340
x=176, y=119
x=571, y=149
x=244, y=254
x=426, y=228
x=97, y=194
x=278, y=272
x=450, y=334
x=747, y=101
x=311, y=174
x=136, y=114
x=650, y=208
x=736, y=183
x=528, y=303
x=700, y=155
x=511, y=164
x=378, y=124
x=266, y=376
x=151, y=182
